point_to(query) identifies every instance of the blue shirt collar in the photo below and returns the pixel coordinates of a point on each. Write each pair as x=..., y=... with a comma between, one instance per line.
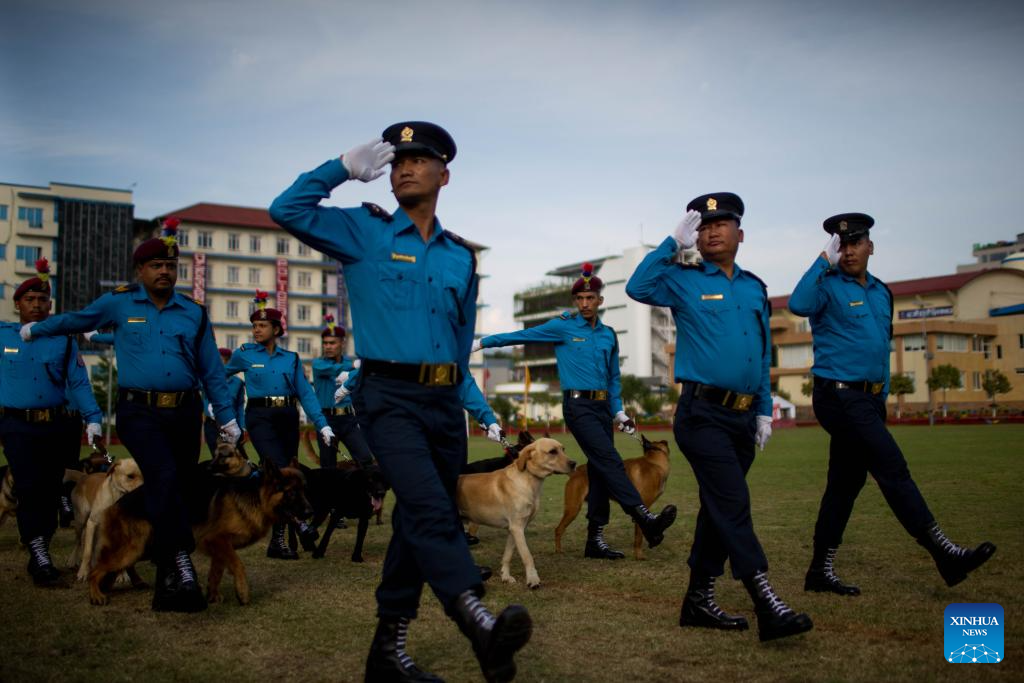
x=868, y=282
x=712, y=268
x=402, y=223
x=141, y=295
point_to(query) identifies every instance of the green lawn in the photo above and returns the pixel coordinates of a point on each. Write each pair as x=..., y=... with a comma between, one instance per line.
x=312, y=620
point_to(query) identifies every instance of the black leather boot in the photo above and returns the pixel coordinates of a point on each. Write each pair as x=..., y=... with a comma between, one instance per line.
x=307, y=536
x=40, y=566
x=178, y=588
x=653, y=526
x=953, y=561
x=597, y=548
x=495, y=640
x=700, y=609
x=774, y=618
x=821, y=576
x=278, y=549
x=165, y=585
x=388, y=661
x=485, y=573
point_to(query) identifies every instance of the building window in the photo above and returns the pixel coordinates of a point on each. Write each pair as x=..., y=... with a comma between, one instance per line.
x=999, y=351
x=950, y=342
x=303, y=249
x=254, y=244
x=303, y=313
x=232, y=309
x=28, y=255
x=232, y=341
x=913, y=342
x=182, y=271
x=232, y=275
x=796, y=356
x=3, y=212
x=1020, y=340
x=254, y=276
x=303, y=345
x=977, y=380
x=963, y=381
x=282, y=245
x=305, y=279
x=183, y=238
x=204, y=239
x=233, y=241
x=3, y=254
x=34, y=217
x=986, y=349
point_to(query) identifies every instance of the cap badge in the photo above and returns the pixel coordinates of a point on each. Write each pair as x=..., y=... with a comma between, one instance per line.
x=843, y=225
x=712, y=204
x=406, y=134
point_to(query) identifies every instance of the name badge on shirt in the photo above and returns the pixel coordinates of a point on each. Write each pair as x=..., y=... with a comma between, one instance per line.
x=8, y=349
x=136, y=320
x=712, y=297
x=406, y=258
x=258, y=365
x=579, y=339
x=856, y=303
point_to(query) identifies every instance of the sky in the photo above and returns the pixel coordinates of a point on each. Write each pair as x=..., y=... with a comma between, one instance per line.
x=583, y=128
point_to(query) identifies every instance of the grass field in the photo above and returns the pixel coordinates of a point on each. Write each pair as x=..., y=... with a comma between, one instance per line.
x=594, y=621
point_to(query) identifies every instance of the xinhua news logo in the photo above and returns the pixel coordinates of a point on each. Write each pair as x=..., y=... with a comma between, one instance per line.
x=974, y=633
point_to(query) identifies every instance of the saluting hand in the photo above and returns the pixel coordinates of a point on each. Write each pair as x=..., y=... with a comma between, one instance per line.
x=831, y=251
x=764, y=430
x=367, y=162
x=686, y=232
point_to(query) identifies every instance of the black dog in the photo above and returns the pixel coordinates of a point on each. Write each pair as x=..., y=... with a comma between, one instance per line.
x=345, y=491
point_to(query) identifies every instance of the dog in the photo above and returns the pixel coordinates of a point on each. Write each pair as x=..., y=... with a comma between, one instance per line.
x=334, y=494
x=90, y=498
x=649, y=474
x=8, y=503
x=509, y=498
x=239, y=513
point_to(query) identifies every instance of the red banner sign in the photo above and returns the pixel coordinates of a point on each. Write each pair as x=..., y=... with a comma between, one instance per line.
x=282, y=290
x=199, y=277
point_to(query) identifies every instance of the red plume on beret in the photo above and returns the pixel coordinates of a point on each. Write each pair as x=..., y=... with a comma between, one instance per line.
x=332, y=329
x=260, y=299
x=164, y=246
x=39, y=283
x=264, y=313
x=588, y=282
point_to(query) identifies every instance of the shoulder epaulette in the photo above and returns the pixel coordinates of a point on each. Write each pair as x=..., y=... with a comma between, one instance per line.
x=763, y=285
x=248, y=346
x=126, y=288
x=461, y=241
x=568, y=315
x=377, y=212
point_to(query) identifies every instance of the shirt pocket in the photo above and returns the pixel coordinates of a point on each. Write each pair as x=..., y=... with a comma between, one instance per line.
x=400, y=285
x=712, y=317
x=136, y=333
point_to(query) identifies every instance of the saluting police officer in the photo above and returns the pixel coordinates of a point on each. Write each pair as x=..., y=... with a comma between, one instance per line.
x=33, y=382
x=276, y=385
x=341, y=416
x=236, y=389
x=413, y=286
x=723, y=355
x=587, y=352
x=165, y=351
x=850, y=311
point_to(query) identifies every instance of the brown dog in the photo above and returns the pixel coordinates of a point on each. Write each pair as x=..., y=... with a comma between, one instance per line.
x=239, y=514
x=649, y=473
x=91, y=497
x=510, y=497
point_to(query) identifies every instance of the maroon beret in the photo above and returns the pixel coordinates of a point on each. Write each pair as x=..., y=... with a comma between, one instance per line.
x=332, y=330
x=588, y=282
x=165, y=246
x=39, y=283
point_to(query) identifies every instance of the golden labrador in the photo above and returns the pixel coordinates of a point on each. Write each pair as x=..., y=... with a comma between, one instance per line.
x=91, y=497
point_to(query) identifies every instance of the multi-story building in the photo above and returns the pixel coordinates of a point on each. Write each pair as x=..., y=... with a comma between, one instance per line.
x=992, y=254
x=972, y=320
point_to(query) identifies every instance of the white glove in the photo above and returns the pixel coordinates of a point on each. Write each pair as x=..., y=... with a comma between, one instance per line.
x=341, y=393
x=764, y=430
x=328, y=435
x=90, y=334
x=231, y=432
x=26, y=331
x=356, y=363
x=686, y=232
x=494, y=433
x=367, y=162
x=624, y=423
x=341, y=378
x=831, y=250
x=93, y=432
x=477, y=345
x=209, y=409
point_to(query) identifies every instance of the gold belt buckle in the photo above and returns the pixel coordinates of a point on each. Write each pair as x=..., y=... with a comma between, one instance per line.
x=39, y=415
x=436, y=375
x=600, y=395
x=277, y=401
x=877, y=387
x=166, y=400
x=743, y=401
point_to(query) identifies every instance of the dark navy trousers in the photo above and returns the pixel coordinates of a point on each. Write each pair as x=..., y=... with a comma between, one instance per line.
x=274, y=433
x=34, y=454
x=165, y=444
x=718, y=442
x=346, y=428
x=859, y=444
x=418, y=435
x=590, y=423
x=71, y=444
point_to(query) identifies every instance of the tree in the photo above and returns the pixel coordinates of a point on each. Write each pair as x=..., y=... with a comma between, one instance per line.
x=899, y=385
x=651, y=404
x=995, y=382
x=504, y=409
x=944, y=377
x=547, y=401
x=672, y=395
x=633, y=391
x=807, y=388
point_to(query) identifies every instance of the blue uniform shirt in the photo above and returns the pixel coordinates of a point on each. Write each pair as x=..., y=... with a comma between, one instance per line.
x=277, y=374
x=474, y=402
x=156, y=349
x=42, y=374
x=413, y=301
x=324, y=372
x=588, y=357
x=103, y=338
x=236, y=389
x=723, y=336
x=851, y=323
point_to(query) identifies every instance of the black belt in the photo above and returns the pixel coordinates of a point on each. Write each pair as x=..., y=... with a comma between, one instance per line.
x=859, y=385
x=35, y=414
x=592, y=394
x=723, y=397
x=427, y=374
x=273, y=402
x=158, y=399
x=347, y=410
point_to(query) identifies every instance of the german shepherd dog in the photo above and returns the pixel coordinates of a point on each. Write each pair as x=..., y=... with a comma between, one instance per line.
x=345, y=491
x=239, y=514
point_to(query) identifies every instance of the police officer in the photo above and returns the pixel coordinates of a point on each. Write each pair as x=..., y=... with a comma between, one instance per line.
x=587, y=352
x=327, y=372
x=850, y=311
x=413, y=286
x=33, y=382
x=236, y=389
x=723, y=355
x=276, y=385
x=165, y=351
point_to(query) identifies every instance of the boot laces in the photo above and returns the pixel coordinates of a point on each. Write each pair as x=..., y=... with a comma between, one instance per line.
x=183, y=563
x=401, y=634
x=708, y=589
x=479, y=614
x=948, y=546
x=598, y=539
x=40, y=553
x=828, y=568
x=279, y=538
x=767, y=593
